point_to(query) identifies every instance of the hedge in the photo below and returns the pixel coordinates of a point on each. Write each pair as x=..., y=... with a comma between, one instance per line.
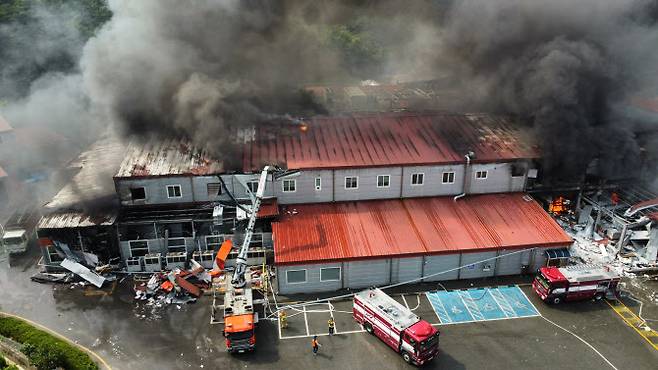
x=40, y=342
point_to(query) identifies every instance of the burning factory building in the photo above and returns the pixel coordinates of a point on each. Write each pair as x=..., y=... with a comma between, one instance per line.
x=427, y=191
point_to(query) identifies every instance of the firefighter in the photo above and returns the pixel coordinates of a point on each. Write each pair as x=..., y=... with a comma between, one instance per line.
x=283, y=319
x=332, y=325
x=315, y=345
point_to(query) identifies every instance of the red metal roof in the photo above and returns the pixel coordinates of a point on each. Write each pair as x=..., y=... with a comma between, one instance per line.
x=414, y=226
x=269, y=208
x=388, y=139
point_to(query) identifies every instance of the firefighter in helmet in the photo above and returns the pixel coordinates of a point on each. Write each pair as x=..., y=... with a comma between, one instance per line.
x=283, y=319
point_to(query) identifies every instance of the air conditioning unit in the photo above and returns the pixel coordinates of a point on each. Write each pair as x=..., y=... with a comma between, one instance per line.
x=134, y=264
x=176, y=260
x=153, y=262
x=204, y=258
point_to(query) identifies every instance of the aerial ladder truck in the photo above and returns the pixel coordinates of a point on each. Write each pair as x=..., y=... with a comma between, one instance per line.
x=240, y=318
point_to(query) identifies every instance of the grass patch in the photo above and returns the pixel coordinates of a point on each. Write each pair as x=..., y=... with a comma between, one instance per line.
x=44, y=350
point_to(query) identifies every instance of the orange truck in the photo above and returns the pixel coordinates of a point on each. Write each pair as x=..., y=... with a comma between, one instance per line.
x=239, y=320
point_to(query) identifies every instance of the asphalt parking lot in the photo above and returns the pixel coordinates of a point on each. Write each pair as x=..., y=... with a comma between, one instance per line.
x=130, y=335
x=492, y=342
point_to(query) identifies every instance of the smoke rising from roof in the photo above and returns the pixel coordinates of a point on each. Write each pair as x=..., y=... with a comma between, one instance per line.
x=203, y=68
x=570, y=68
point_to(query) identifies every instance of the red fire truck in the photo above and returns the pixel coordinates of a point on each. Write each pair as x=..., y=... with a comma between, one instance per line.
x=572, y=283
x=415, y=339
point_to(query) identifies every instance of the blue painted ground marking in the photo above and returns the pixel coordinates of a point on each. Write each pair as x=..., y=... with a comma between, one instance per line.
x=481, y=304
x=518, y=301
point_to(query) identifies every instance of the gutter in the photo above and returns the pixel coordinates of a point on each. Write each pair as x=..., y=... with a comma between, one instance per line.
x=467, y=176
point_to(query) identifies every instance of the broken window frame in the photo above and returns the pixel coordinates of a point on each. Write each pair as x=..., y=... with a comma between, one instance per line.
x=296, y=282
x=330, y=268
x=132, y=194
x=174, y=187
x=211, y=186
x=252, y=186
x=286, y=185
x=449, y=176
x=131, y=248
x=351, y=182
x=418, y=179
x=52, y=252
x=385, y=181
x=215, y=245
x=481, y=174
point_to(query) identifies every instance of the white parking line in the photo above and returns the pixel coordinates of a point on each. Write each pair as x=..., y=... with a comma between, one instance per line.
x=436, y=309
x=278, y=321
x=498, y=303
x=459, y=294
x=306, y=321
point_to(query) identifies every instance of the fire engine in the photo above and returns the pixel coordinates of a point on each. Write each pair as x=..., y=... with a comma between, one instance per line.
x=572, y=283
x=413, y=338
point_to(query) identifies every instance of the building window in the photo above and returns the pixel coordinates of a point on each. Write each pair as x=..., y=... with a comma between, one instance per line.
x=481, y=175
x=296, y=276
x=448, y=178
x=138, y=248
x=213, y=242
x=383, y=181
x=352, y=182
x=53, y=255
x=518, y=170
x=289, y=186
x=318, y=183
x=330, y=274
x=417, y=178
x=174, y=191
x=138, y=193
x=214, y=189
x=252, y=186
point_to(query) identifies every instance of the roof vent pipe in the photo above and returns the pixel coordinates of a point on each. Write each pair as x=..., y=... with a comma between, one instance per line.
x=467, y=175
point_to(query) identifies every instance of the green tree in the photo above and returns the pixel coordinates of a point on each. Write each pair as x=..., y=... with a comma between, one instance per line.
x=362, y=55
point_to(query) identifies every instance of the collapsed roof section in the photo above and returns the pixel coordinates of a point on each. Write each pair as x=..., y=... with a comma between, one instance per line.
x=410, y=227
x=89, y=199
x=389, y=139
x=166, y=157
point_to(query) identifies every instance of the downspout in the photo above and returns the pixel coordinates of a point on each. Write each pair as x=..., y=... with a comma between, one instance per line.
x=467, y=175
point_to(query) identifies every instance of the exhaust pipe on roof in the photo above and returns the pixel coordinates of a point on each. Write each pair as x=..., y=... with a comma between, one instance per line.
x=467, y=175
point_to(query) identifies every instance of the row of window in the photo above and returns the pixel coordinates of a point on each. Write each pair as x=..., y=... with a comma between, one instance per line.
x=383, y=181
x=326, y=274
x=290, y=185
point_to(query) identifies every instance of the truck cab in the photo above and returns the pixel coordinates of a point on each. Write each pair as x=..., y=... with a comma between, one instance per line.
x=16, y=241
x=239, y=333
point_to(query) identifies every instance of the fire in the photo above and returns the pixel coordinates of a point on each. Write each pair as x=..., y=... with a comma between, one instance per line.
x=557, y=206
x=303, y=127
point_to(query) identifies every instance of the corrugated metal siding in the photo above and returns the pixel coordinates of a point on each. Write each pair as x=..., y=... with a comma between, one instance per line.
x=367, y=184
x=362, y=274
x=305, y=192
x=499, y=178
x=477, y=271
x=509, y=265
x=313, y=283
x=406, y=269
x=433, y=181
x=440, y=263
x=538, y=259
x=156, y=190
x=395, y=228
x=388, y=139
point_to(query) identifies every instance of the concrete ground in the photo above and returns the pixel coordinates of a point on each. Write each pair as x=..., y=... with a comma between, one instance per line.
x=132, y=335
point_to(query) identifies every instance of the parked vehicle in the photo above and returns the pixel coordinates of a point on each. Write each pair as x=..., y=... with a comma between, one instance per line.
x=20, y=229
x=578, y=282
x=413, y=338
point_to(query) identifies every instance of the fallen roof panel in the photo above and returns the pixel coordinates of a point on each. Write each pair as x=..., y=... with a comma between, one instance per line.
x=414, y=226
x=76, y=219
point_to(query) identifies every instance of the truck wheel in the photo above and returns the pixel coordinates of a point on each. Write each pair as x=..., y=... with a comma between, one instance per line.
x=556, y=300
x=406, y=357
x=368, y=328
x=598, y=296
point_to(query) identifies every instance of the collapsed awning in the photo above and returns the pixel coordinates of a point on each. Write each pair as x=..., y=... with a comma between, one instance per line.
x=558, y=253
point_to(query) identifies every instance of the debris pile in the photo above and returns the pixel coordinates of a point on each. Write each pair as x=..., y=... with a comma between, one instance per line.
x=175, y=287
x=81, y=266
